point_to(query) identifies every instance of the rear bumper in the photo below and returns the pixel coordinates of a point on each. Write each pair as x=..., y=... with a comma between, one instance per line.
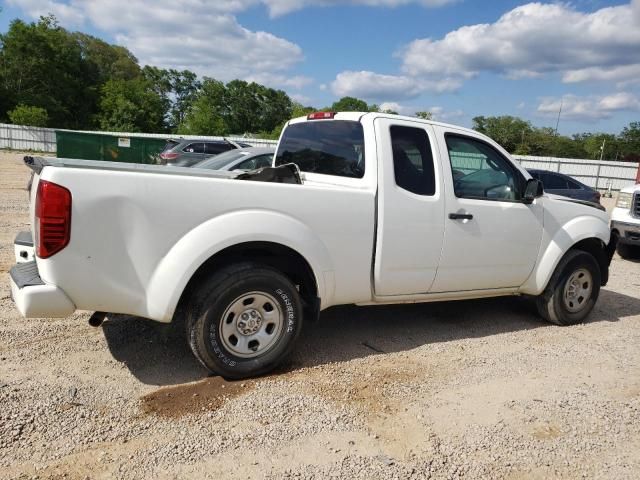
x=23, y=247
x=33, y=297
x=629, y=233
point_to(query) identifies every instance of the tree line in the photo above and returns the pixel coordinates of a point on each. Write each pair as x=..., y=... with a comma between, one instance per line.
x=50, y=76
x=520, y=137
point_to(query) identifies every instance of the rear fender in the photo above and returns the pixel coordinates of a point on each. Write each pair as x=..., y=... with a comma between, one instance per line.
x=177, y=267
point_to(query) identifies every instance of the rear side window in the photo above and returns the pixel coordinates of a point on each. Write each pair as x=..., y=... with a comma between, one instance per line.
x=334, y=147
x=216, y=148
x=573, y=185
x=256, y=162
x=553, y=182
x=169, y=145
x=412, y=160
x=194, y=148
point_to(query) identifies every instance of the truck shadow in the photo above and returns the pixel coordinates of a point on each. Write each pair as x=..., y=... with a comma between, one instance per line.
x=158, y=354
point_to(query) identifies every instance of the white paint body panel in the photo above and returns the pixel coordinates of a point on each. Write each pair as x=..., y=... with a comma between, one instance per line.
x=623, y=215
x=410, y=227
x=138, y=233
x=496, y=249
x=39, y=301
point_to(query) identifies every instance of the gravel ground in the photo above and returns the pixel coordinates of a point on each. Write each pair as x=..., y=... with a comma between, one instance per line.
x=475, y=389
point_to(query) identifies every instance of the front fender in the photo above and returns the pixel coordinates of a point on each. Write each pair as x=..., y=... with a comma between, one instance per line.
x=553, y=249
x=178, y=266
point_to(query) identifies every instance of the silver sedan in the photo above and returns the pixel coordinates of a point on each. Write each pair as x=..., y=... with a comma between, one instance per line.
x=248, y=158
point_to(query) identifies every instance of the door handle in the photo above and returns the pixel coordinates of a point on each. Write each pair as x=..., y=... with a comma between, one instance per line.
x=460, y=216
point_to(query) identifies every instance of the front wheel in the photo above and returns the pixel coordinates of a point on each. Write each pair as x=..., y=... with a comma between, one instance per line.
x=244, y=320
x=627, y=251
x=572, y=291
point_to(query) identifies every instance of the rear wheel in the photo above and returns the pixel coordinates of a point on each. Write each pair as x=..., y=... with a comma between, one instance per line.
x=572, y=291
x=244, y=320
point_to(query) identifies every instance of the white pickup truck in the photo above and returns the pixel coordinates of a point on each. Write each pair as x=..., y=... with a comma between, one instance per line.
x=383, y=209
x=625, y=221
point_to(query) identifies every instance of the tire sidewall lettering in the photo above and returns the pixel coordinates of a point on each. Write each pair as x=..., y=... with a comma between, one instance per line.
x=290, y=314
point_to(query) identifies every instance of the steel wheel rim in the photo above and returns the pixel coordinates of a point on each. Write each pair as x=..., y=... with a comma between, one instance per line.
x=577, y=290
x=251, y=325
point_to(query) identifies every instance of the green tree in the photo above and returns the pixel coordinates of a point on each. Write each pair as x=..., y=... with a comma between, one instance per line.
x=29, y=115
x=593, y=144
x=424, y=115
x=350, y=104
x=130, y=106
x=177, y=89
x=510, y=132
x=629, y=142
x=205, y=115
x=250, y=107
x=41, y=65
x=184, y=86
x=106, y=61
x=298, y=110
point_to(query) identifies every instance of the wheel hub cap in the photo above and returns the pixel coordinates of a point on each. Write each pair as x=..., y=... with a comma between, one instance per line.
x=251, y=325
x=577, y=290
x=249, y=322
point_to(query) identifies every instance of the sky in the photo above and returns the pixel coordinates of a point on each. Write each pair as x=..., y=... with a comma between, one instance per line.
x=456, y=58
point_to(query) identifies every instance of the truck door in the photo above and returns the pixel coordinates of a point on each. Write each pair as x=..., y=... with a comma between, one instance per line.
x=491, y=237
x=410, y=209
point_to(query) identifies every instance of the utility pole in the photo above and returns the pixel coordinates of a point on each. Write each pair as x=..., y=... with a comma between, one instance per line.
x=559, y=112
x=602, y=148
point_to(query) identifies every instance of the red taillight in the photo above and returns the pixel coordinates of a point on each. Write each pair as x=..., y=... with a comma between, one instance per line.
x=168, y=156
x=53, y=218
x=321, y=115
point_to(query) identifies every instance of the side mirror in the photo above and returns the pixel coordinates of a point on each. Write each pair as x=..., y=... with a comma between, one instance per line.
x=533, y=190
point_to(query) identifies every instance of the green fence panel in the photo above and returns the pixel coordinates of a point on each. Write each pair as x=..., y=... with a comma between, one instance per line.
x=92, y=146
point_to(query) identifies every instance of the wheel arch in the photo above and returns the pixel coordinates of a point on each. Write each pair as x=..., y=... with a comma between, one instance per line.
x=586, y=233
x=272, y=238
x=277, y=256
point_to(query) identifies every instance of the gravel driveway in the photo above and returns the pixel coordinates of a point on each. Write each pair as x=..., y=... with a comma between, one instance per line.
x=474, y=389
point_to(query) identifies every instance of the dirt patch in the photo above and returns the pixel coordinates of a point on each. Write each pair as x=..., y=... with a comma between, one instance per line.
x=546, y=432
x=205, y=395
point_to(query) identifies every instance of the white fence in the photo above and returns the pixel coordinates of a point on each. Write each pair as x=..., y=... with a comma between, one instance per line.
x=18, y=137
x=598, y=174
x=601, y=175
x=255, y=142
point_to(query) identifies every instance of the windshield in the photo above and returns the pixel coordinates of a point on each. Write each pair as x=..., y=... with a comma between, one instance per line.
x=334, y=147
x=221, y=160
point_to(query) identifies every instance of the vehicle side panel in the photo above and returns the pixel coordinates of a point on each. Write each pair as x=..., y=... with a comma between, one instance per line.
x=562, y=230
x=129, y=231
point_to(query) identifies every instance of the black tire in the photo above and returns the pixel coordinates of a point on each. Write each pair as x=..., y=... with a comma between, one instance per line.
x=627, y=251
x=212, y=324
x=563, y=304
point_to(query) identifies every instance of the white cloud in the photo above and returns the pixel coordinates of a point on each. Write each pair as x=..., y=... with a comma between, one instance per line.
x=375, y=86
x=442, y=115
x=302, y=99
x=394, y=106
x=531, y=40
x=201, y=36
x=67, y=14
x=623, y=75
x=282, y=7
x=281, y=81
x=589, y=108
